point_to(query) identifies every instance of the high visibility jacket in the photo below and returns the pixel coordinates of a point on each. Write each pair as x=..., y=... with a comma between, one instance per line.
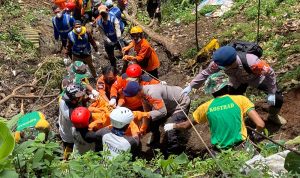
x=118, y=14
x=88, y=5
x=62, y=26
x=105, y=88
x=80, y=46
x=145, y=55
x=109, y=28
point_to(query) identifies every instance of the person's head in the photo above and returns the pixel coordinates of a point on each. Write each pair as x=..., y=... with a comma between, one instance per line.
x=103, y=11
x=57, y=11
x=77, y=26
x=121, y=117
x=80, y=117
x=70, y=6
x=133, y=72
x=132, y=89
x=75, y=92
x=109, y=74
x=225, y=56
x=109, y=4
x=136, y=33
x=96, y=3
x=217, y=84
x=79, y=67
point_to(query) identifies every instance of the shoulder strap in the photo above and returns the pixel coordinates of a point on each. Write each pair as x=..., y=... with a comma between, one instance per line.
x=245, y=64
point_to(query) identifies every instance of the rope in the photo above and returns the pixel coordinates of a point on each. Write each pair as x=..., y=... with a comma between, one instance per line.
x=258, y=24
x=193, y=126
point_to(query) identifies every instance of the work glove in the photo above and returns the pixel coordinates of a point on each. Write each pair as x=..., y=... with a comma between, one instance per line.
x=128, y=58
x=271, y=99
x=186, y=90
x=91, y=96
x=169, y=127
x=95, y=93
x=112, y=102
x=163, y=82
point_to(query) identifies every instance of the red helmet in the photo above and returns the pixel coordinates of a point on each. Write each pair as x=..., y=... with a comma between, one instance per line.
x=70, y=5
x=134, y=71
x=80, y=117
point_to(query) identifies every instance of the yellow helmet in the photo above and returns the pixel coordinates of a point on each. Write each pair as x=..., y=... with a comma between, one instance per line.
x=136, y=29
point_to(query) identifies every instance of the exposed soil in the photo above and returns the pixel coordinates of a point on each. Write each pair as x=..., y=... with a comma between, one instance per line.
x=170, y=71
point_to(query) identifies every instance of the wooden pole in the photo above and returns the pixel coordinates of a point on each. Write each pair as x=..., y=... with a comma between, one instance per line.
x=196, y=26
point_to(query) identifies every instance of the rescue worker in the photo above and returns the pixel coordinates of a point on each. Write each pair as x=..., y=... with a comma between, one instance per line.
x=72, y=98
x=105, y=82
x=78, y=74
x=122, y=135
x=122, y=4
x=262, y=78
x=30, y=125
x=62, y=25
x=146, y=56
x=114, y=10
x=153, y=9
x=225, y=113
x=79, y=45
x=133, y=73
x=84, y=140
x=111, y=32
x=161, y=102
x=87, y=14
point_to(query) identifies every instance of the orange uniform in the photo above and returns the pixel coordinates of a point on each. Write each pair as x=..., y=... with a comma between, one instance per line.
x=104, y=88
x=145, y=55
x=133, y=103
x=100, y=114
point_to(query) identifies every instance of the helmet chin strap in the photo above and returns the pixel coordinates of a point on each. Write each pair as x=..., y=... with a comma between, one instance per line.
x=118, y=132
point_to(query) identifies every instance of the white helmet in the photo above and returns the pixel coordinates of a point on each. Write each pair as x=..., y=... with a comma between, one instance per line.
x=120, y=117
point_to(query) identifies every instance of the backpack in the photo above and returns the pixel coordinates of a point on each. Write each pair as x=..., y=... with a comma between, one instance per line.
x=243, y=48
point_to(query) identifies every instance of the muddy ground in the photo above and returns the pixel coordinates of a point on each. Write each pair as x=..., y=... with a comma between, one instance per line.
x=170, y=71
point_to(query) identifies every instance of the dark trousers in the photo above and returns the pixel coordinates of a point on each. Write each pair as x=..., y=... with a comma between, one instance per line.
x=243, y=87
x=151, y=8
x=176, y=139
x=87, y=59
x=110, y=51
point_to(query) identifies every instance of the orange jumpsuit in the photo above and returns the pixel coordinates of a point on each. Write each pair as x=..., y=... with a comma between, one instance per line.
x=145, y=55
x=105, y=89
x=133, y=103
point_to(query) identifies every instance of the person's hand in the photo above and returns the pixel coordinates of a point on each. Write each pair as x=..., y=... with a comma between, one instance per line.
x=157, y=10
x=169, y=127
x=163, y=82
x=67, y=61
x=186, y=90
x=125, y=49
x=271, y=99
x=112, y=102
x=128, y=58
x=95, y=93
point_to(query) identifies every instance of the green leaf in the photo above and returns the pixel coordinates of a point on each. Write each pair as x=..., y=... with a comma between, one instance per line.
x=292, y=162
x=7, y=141
x=9, y=174
x=181, y=159
x=295, y=141
x=38, y=156
x=20, y=148
x=41, y=137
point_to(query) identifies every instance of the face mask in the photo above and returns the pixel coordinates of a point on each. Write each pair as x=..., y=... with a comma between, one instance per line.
x=59, y=15
x=78, y=30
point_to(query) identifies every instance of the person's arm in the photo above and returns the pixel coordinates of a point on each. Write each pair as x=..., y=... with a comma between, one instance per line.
x=203, y=75
x=92, y=41
x=158, y=109
x=102, y=33
x=68, y=48
x=254, y=116
x=184, y=125
x=143, y=53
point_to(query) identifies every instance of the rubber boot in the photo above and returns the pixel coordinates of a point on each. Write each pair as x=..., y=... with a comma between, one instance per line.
x=275, y=117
